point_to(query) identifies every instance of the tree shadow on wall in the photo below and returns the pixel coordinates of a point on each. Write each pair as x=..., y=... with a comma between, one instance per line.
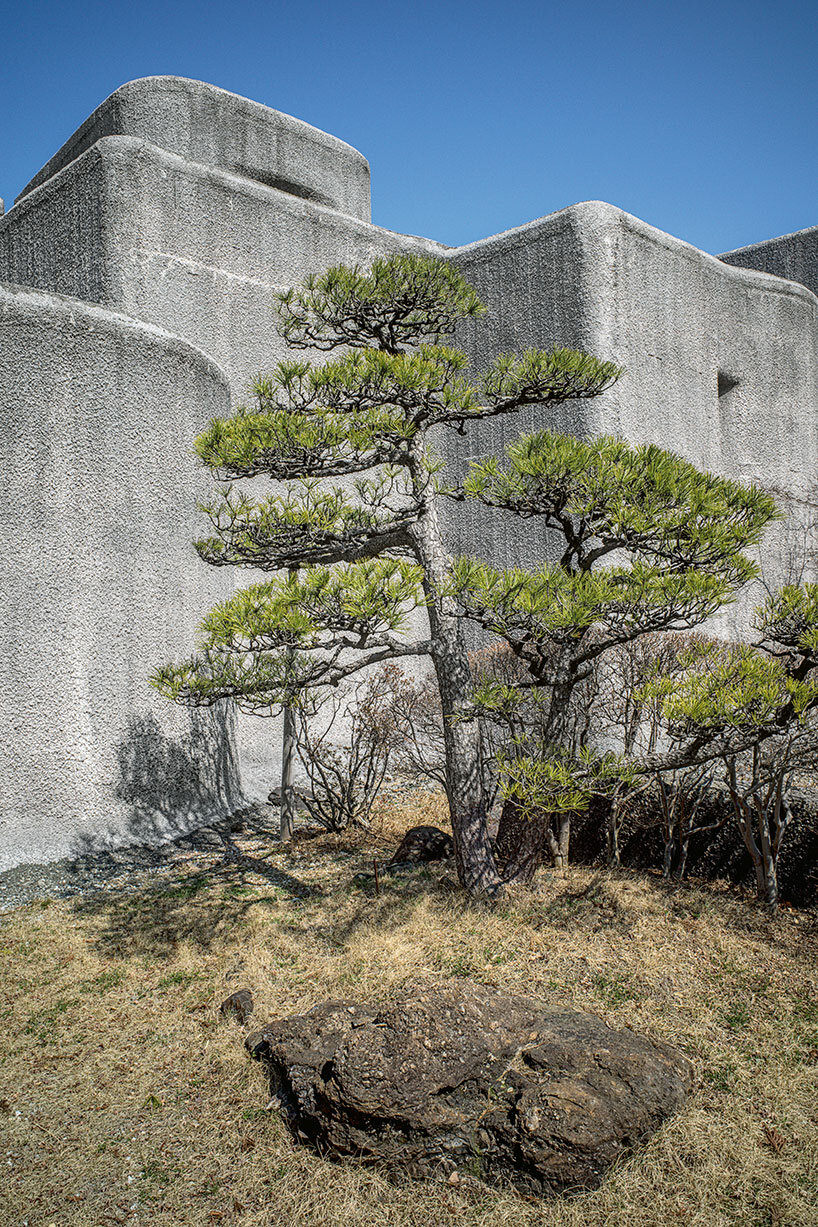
x=170, y=784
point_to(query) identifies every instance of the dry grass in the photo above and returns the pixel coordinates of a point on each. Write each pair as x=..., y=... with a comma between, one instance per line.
x=125, y=1097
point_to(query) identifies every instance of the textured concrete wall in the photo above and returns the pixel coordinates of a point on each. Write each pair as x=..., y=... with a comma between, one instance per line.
x=794, y=256
x=205, y=124
x=101, y=583
x=191, y=248
x=721, y=363
x=198, y=251
x=186, y=207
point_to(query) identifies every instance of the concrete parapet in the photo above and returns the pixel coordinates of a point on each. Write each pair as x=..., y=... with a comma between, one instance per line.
x=189, y=247
x=203, y=123
x=97, y=511
x=794, y=256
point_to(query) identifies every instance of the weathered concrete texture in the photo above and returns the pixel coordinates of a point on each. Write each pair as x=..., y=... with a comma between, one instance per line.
x=186, y=207
x=101, y=583
x=192, y=248
x=794, y=256
x=206, y=124
x=721, y=364
x=198, y=251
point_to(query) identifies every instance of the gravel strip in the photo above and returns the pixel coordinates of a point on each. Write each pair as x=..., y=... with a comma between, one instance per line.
x=133, y=868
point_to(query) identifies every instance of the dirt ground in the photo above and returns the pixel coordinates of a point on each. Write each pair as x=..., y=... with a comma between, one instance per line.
x=126, y=1097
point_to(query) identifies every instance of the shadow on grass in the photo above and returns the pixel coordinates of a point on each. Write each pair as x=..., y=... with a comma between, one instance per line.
x=200, y=908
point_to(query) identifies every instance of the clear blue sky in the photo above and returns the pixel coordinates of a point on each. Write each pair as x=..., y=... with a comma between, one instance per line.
x=698, y=116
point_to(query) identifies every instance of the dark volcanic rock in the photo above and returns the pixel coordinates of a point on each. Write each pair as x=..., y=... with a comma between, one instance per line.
x=238, y=1005
x=421, y=844
x=456, y=1075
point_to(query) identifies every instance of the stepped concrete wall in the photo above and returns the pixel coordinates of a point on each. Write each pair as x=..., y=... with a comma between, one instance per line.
x=721, y=364
x=205, y=124
x=793, y=256
x=185, y=208
x=196, y=250
x=101, y=583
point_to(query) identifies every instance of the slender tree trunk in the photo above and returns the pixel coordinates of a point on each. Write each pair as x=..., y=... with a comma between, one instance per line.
x=684, y=852
x=769, y=887
x=667, y=860
x=287, y=810
x=476, y=868
x=560, y=839
x=612, y=833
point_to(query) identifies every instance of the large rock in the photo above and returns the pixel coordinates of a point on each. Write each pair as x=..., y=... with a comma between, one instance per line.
x=453, y=1075
x=421, y=844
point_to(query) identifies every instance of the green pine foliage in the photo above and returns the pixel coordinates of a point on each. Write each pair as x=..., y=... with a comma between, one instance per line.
x=646, y=542
x=363, y=416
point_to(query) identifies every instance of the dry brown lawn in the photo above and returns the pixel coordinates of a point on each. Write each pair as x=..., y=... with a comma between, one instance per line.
x=126, y=1098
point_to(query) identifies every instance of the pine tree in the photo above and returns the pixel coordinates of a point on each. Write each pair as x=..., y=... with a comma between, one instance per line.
x=369, y=555
x=752, y=707
x=646, y=542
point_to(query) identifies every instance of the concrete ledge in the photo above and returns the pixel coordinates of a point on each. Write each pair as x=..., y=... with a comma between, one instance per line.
x=205, y=124
x=98, y=492
x=194, y=248
x=793, y=256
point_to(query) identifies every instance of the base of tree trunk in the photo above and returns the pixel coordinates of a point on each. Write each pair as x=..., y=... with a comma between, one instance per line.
x=521, y=843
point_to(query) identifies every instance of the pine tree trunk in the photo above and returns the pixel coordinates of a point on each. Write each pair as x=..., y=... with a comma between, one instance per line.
x=476, y=868
x=287, y=810
x=768, y=887
x=521, y=842
x=560, y=840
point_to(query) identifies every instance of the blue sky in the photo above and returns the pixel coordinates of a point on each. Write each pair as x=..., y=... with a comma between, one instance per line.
x=698, y=117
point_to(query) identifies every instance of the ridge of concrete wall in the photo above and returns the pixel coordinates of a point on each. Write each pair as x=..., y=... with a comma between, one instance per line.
x=97, y=513
x=794, y=256
x=721, y=363
x=193, y=248
x=206, y=124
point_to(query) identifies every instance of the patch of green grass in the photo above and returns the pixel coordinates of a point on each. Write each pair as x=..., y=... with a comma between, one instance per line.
x=721, y=1077
x=102, y=982
x=43, y=1021
x=179, y=977
x=614, y=988
x=736, y=1017
x=186, y=889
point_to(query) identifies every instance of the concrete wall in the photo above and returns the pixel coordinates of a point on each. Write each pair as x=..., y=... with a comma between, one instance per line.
x=794, y=256
x=198, y=251
x=101, y=583
x=205, y=124
x=187, y=208
x=194, y=249
x=721, y=363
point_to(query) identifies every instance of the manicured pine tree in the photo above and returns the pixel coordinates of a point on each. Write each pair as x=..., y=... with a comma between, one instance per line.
x=645, y=543
x=370, y=554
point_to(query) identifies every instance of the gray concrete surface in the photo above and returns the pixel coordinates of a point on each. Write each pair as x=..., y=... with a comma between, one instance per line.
x=100, y=581
x=190, y=247
x=203, y=123
x=598, y=279
x=185, y=208
x=794, y=256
